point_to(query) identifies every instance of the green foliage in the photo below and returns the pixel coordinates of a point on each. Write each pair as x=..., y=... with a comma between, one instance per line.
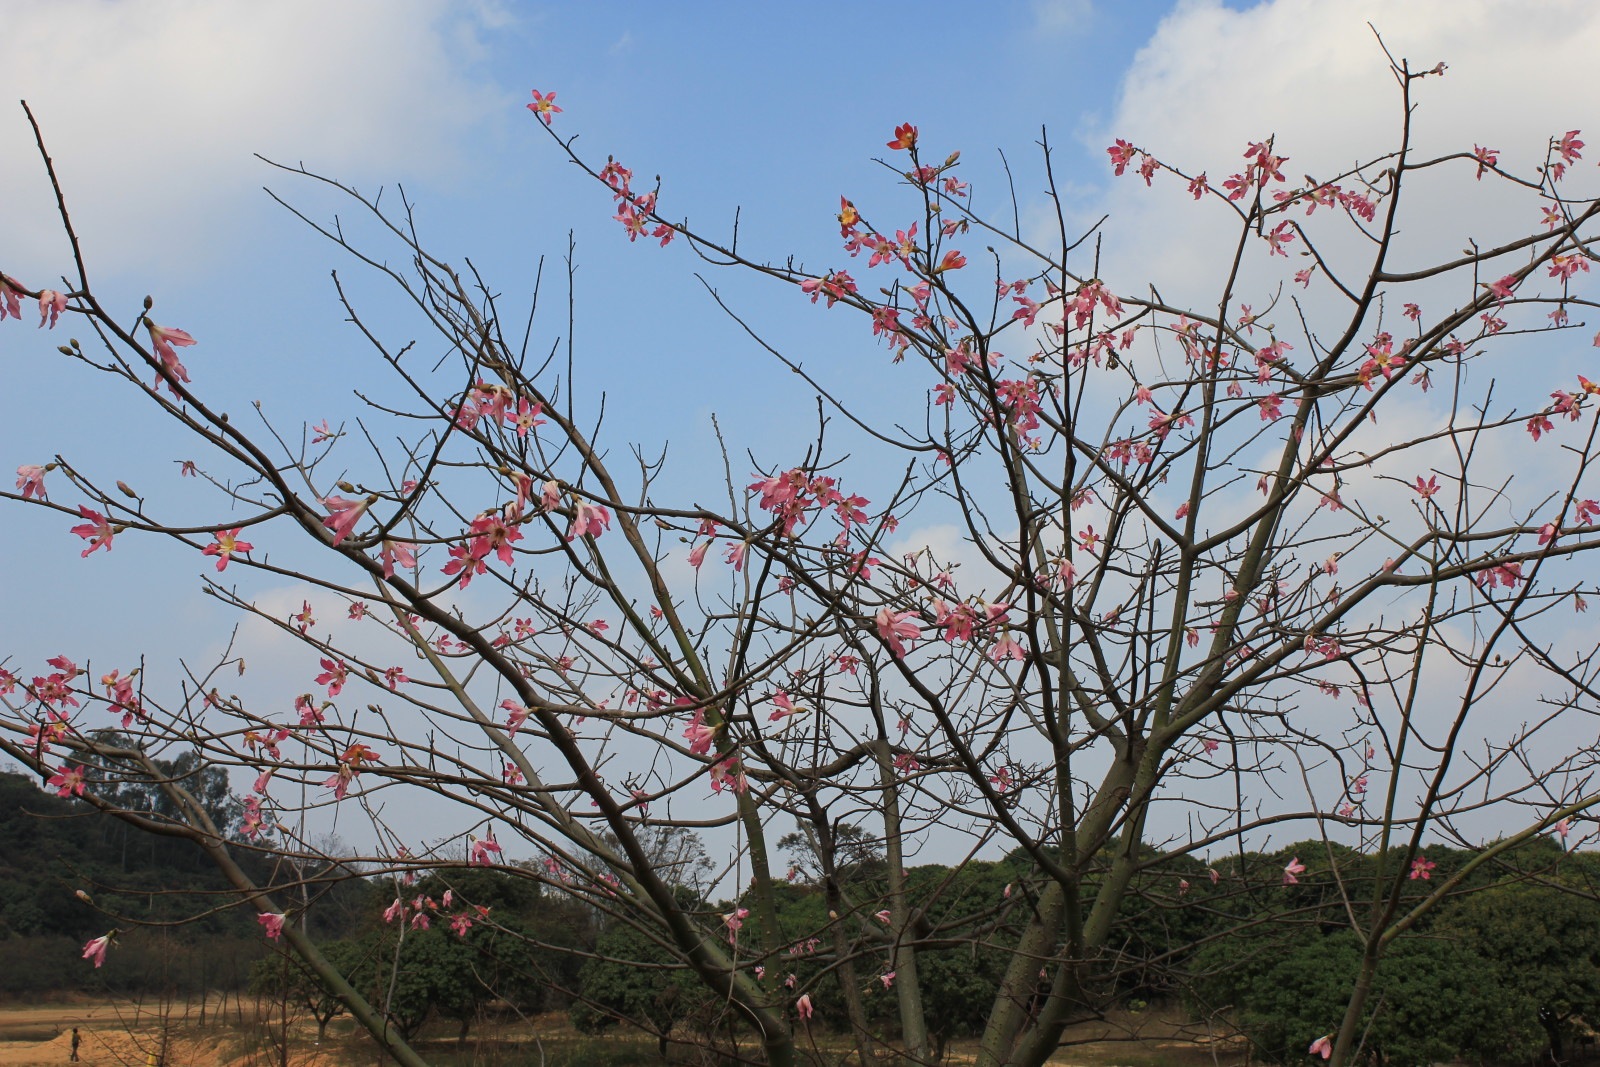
x=1543, y=943
x=634, y=980
x=1434, y=999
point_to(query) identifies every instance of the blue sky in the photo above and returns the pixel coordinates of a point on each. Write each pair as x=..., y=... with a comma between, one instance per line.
x=153, y=111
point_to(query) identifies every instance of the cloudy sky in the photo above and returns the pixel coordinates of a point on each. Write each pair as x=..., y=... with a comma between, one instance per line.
x=155, y=112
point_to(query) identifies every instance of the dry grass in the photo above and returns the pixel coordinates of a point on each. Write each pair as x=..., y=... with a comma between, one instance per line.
x=124, y=1035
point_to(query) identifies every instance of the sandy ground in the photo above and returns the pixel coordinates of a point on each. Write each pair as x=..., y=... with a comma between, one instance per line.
x=120, y=1034
x=123, y=1035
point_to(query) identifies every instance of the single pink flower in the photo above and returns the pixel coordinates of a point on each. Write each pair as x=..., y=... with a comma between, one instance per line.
x=97, y=531
x=399, y=552
x=803, y=1008
x=51, y=305
x=478, y=849
x=343, y=514
x=905, y=137
x=67, y=782
x=544, y=105
x=1291, y=870
x=226, y=544
x=272, y=923
x=728, y=773
x=30, y=479
x=1322, y=1046
x=11, y=293
x=588, y=520
x=163, y=340
x=96, y=949
x=784, y=706
x=893, y=626
x=334, y=673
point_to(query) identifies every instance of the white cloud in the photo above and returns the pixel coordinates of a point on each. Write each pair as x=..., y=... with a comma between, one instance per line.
x=1213, y=79
x=153, y=110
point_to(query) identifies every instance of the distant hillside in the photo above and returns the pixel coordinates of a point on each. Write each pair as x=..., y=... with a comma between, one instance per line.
x=52, y=848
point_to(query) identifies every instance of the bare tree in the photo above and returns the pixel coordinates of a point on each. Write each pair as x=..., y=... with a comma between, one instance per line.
x=1221, y=573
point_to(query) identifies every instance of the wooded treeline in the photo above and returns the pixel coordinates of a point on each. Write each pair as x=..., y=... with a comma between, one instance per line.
x=1507, y=968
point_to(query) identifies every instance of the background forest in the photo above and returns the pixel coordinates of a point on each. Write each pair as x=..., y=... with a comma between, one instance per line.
x=1508, y=969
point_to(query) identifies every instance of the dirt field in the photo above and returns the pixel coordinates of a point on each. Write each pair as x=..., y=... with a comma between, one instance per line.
x=122, y=1034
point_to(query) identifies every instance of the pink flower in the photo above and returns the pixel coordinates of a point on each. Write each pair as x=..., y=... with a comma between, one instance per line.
x=272, y=923
x=397, y=552
x=97, y=531
x=226, y=544
x=1007, y=648
x=334, y=673
x=51, y=305
x=734, y=921
x=1322, y=1046
x=784, y=706
x=728, y=773
x=1291, y=870
x=68, y=781
x=699, y=734
x=905, y=137
x=1121, y=154
x=478, y=849
x=892, y=627
x=802, y=1006
x=887, y=979
x=1422, y=868
x=163, y=339
x=96, y=949
x=30, y=479
x=11, y=292
x=883, y=916
x=544, y=105
x=489, y=534
x=343, y=514
x=1569, y=147
x=588, y=520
